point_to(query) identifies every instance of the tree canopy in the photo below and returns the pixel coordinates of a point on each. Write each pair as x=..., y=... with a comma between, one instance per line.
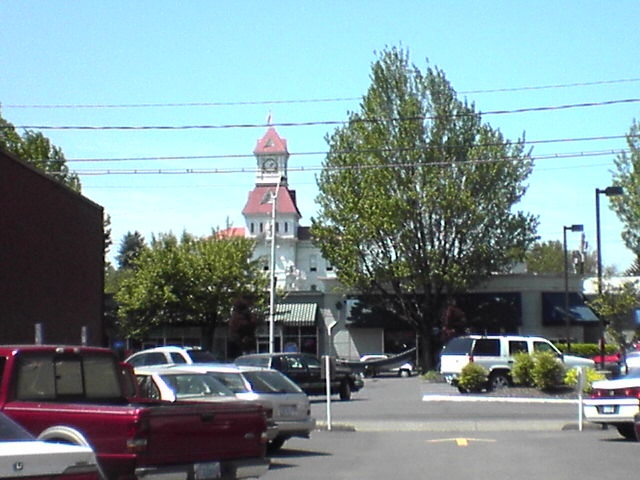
x=548, y=258
x=131, y=245
x=627, y=176
x=417, y=196
x=37, y=150
x=189, y=281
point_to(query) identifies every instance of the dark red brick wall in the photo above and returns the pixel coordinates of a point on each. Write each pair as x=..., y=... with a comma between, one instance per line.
x=51, y=259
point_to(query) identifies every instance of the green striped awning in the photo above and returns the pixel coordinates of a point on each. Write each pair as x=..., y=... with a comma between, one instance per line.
x=296, y=314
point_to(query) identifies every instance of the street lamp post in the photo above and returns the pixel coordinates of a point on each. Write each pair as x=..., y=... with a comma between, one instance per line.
x=609, y=192
x=572, y=228
x=272, y=272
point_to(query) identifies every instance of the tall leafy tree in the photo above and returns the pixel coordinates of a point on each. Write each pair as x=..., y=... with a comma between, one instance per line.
x=189, y=281
x=548, y=257
x=627, y=175
x=417, y=196
x=131, y=245
x=37, y=150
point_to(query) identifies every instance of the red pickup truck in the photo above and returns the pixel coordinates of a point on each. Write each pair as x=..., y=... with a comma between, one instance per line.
x=81, y=395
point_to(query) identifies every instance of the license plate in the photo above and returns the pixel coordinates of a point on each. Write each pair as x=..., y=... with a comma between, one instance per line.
x=206, y=471
x=287, y=410
x=609, y=409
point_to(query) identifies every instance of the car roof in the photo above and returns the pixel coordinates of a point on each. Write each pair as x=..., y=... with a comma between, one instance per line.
x=165, y=369
x=508, y=337
x=202, y=368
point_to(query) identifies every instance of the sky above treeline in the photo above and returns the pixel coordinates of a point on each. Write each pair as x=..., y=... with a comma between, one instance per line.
x=560, y=73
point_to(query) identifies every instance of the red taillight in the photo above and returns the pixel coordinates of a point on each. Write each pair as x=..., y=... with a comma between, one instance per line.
x=631, y=392
x=137, y=436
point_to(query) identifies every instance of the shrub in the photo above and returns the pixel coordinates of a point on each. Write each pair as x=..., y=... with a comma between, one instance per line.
x=590, y=375
x=547, y=372
x=473, y=378
x=587, y=349
x=522, y=371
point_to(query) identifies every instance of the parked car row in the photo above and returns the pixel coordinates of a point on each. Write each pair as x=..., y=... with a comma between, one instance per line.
x=279, y=382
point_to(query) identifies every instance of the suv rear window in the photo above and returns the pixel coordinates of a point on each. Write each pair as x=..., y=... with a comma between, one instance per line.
x=487, y=347
x=458, y=346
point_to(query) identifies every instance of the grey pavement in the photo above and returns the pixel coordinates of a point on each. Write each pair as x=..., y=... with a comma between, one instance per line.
x=406, y=405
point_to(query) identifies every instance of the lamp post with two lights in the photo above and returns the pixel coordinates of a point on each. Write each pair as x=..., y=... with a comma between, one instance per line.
x=609, y=192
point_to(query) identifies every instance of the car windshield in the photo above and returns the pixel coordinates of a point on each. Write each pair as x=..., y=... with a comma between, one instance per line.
x=253, y=361
x=202, y=356
x=632, y=373
x=271, y=382
x=232, y=380
x=186, y=385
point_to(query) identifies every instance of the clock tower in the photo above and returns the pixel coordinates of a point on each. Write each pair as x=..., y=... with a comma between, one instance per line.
x=271, y=158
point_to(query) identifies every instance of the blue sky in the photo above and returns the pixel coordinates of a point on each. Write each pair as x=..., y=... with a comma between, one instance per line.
x=237, y=57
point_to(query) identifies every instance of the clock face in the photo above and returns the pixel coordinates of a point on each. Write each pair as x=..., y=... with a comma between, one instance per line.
x=270, y=165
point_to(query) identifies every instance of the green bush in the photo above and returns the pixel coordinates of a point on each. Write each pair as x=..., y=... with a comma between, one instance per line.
x=473, y=378
x=590, y=375
x=522, y=371
x=587, y=349
x=547, y=372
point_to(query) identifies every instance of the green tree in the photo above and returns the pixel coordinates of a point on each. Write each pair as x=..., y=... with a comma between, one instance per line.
x=131, y=245
x=192, y=281
x=614, y=305
x=416, y=196
x=548, y=257
x=627, y=176
x=37, y=150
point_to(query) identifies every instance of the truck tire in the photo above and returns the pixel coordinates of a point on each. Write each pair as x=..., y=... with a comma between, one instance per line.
x=345, y=390
x=498, y=380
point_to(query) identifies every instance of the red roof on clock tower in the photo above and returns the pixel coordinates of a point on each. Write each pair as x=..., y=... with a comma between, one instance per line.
x=271, y=143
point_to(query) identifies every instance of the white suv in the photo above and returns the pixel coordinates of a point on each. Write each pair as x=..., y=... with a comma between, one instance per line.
x=495, y=353
x=171, y=355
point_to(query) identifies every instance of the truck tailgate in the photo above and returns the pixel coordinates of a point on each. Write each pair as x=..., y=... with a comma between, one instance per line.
x=199, y=432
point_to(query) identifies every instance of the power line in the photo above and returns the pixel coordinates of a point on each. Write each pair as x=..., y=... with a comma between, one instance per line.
x=322, y=122
x=315, y=168
x=297, y=101
x=314, y=153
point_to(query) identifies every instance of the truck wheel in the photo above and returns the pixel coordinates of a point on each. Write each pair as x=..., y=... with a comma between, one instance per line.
x=276, y=444
x=404, y=373
x=498, y=380
x=345, y=391
x=627, y=431
x=64, y=434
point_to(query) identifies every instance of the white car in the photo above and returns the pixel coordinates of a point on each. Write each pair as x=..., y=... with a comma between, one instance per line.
x=274, y=391
x=24, y=457
x=287, y=406
x=615, y=402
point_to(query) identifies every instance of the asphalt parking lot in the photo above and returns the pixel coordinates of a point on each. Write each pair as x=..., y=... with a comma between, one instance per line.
x=407, y=428
x=405, y=404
